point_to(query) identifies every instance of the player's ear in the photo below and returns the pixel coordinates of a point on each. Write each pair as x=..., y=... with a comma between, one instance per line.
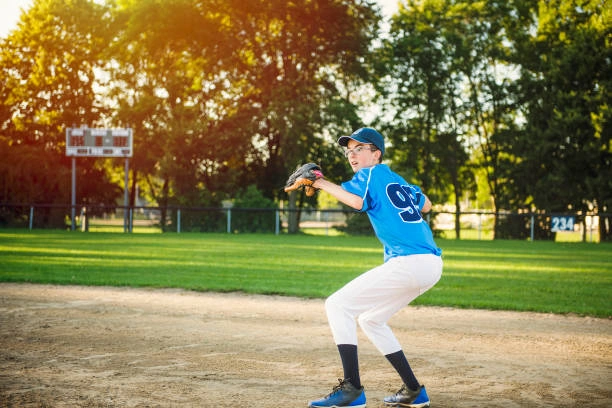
x=379, y=158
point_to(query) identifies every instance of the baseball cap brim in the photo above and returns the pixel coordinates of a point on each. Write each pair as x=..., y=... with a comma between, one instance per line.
x=365, y=135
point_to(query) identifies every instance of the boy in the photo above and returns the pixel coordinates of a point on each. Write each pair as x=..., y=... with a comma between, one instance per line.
x=412, y=265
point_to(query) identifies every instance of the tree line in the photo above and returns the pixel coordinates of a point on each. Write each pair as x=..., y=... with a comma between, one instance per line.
x=505, y=103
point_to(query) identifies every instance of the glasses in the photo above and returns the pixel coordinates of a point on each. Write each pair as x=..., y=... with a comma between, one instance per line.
x=359, y=149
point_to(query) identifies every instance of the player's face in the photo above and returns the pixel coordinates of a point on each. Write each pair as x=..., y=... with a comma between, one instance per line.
x=361, y=155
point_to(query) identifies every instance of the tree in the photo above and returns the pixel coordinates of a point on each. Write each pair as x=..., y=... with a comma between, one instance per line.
x=565, y=151
x=47, y=68
x=421, y=76
x=167, y=80
x=486, y=72
x=295, y=58
x=229, y=94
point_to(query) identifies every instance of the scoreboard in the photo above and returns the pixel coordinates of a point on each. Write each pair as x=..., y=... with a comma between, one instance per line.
x=88, y=142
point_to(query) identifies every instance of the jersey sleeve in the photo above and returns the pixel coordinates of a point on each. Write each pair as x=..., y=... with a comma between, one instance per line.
x=358, y=185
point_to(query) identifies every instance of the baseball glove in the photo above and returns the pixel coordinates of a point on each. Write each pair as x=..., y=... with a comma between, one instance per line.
x=304, y=176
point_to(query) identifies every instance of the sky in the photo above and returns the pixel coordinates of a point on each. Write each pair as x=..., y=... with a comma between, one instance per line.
x=9, y=14
x=10, y=11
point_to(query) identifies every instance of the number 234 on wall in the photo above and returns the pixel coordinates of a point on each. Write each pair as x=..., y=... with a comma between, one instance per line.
x=562, y=223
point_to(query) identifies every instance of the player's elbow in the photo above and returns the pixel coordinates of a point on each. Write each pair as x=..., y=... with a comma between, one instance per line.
x=355, y=202
x=426, y=206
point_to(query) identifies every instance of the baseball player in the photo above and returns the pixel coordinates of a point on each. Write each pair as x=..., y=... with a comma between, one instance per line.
x=412, y=265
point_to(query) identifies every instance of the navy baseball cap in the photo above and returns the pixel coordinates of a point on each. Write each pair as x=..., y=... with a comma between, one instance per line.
x=365, y=135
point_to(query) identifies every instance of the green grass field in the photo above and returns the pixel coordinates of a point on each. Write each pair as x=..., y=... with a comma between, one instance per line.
x=499, y=275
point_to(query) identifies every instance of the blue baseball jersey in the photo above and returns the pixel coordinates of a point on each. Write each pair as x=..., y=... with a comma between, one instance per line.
x=394, y=208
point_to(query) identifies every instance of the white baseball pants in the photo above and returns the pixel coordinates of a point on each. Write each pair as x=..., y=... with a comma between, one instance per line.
x=376, y=295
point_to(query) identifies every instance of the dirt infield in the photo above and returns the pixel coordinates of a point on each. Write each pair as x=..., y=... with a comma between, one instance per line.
x=118, y=347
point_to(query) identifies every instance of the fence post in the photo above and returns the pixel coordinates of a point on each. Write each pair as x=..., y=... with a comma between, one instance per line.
x=229, y=220
x=326, y=219
x=126, y=200
x=178, y=221
x=277, y=222
x=82, y=217
x=73, y=195
x=31, y=216
x=531, y=226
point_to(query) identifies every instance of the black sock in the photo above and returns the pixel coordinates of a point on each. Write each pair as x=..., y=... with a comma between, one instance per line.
x=350, y=363
x=399, y=362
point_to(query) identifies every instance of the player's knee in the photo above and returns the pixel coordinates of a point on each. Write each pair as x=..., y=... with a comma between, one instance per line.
x=364, y=320
x=335, y=305
x=368, y=322
x=331, y=303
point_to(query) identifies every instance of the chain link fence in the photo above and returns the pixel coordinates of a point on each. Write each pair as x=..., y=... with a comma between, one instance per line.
x=479, y=225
